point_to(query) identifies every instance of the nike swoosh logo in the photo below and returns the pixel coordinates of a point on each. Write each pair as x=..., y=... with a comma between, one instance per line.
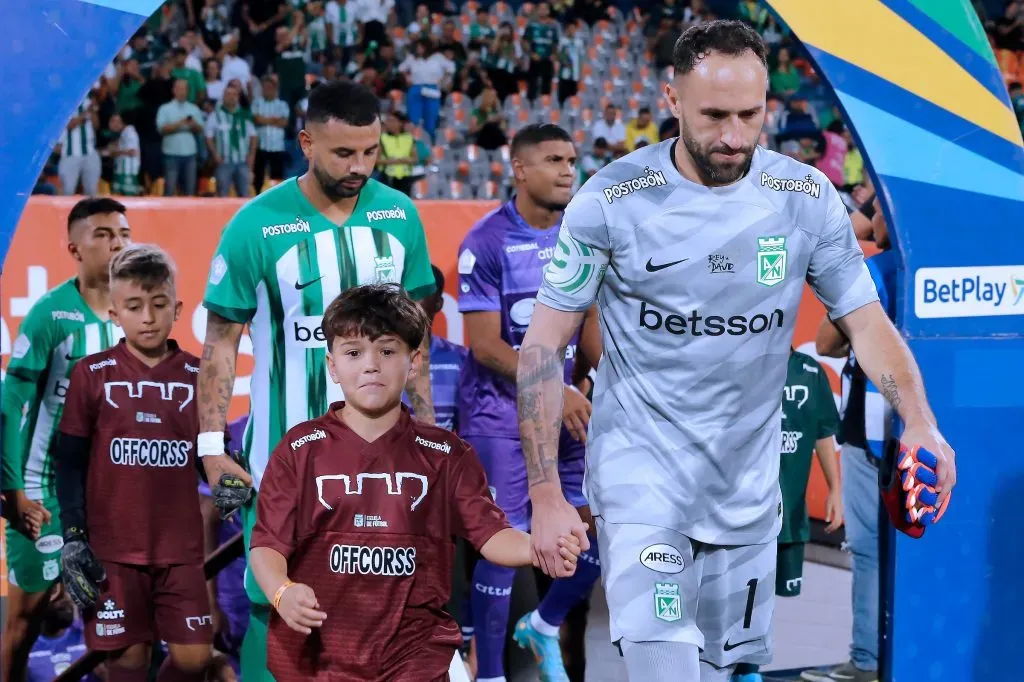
x=651, y=267
x=730, y=647
x=73, y=358
x=300, y=287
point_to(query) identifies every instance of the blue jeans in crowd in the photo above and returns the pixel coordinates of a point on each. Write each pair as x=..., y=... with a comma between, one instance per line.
x=424, y=110
x=180, y=169
x=862, y=508
x=238, y=174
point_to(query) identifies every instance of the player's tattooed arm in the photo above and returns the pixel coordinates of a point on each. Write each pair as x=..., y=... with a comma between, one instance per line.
x=541, y=390
x=888, y=362
x=419, y=391
x=540, y=395
x=216, y=384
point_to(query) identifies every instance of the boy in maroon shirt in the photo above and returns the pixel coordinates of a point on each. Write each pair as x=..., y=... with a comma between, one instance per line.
x=355, y=518
x=126, y=481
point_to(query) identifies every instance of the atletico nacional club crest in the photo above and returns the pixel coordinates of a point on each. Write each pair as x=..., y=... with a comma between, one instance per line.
x=667, y=606
x=771, y=260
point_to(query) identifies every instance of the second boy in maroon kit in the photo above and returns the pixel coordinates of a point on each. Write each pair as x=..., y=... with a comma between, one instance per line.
x=359, y=507
x=126, y=480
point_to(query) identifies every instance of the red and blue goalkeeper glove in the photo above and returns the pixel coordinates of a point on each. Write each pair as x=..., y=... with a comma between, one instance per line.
x=908, y=478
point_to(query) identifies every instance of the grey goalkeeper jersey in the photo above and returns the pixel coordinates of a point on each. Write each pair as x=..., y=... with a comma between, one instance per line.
x=697, y=290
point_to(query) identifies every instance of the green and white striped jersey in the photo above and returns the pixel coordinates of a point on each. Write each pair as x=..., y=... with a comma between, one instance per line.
x=343, y=22
x=271, y=138
x=126, y=168
x=278, y=266
x=317, y=32
x=80, y=140
x=59, y=330
x=230, y=132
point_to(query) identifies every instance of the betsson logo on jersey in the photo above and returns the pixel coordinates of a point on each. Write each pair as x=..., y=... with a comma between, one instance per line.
x=395, y=213
x=319, y=434
x=391, y=562
x=305, y=331
x=299, y=225
x=807, y=185
x=140, y=452
x=626, y=187
x=713, y=325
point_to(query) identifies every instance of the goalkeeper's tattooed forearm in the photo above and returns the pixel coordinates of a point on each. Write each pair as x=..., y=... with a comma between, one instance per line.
x=418, y=389
x=539, y=390
x=217, y=372
x=890, y=391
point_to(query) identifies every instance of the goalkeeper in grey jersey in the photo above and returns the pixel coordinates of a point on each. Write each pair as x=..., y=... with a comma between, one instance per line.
x=696, y=251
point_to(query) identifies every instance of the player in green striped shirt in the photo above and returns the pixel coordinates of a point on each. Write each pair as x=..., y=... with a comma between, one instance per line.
x=69, y=322
x=282, y=259
x=231, y=137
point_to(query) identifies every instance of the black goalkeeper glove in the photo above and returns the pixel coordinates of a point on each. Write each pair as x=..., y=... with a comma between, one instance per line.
x=81, y=571
x=230, y=494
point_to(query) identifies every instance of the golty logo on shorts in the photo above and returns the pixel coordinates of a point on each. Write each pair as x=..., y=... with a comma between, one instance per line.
x=667, y=604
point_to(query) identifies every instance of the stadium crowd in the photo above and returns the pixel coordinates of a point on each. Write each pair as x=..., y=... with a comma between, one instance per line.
x=208, y=97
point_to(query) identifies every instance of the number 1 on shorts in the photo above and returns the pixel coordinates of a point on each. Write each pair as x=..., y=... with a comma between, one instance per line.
x=751, y=589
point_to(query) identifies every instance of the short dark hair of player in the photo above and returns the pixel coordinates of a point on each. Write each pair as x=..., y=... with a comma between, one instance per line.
x=373, y=310
x=91, y=206
x=537, y=133
x=724, y=36
x=348, y=102
x=147, y=265
x=438, y=279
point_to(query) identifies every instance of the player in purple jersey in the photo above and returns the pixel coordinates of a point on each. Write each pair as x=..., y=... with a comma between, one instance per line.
x=230, y=605
x=446, y=362
x=501, y=263
x=61, y=642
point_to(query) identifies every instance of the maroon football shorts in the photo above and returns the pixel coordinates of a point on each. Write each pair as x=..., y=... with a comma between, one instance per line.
x=140, y=604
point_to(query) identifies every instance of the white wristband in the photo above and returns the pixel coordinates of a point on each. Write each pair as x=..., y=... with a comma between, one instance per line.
x=210, y=443
x=570, y=386
x=592, y=375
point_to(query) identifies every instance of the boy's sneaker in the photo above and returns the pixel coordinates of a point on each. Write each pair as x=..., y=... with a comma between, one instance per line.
x=844, y=672
x=547, y=650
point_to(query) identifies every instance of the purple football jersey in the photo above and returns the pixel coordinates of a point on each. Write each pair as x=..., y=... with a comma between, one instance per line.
x=501, y=268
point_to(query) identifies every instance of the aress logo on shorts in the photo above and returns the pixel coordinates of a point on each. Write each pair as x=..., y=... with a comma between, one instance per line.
x=390, y=562
x=446, y=448
x=662, y=558
x=319, y=434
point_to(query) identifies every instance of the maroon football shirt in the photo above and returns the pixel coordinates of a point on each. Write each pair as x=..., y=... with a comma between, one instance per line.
x=141, y=501
x=369, y=526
